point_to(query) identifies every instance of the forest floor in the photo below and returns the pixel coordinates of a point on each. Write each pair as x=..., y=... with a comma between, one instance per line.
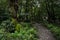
x=43, y=32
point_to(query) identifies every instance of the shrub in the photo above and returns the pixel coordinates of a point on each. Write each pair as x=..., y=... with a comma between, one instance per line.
x=23, y=31
x=55, y=30
x=8, y=26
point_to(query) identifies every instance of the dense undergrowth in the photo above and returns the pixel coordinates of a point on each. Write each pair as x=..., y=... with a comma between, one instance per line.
x=12, y=30
x=54, y=29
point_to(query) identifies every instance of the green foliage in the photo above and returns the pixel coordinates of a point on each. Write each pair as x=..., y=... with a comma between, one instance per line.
x=55, y=30
x=8, y=26
x=29, y=10
x=4, y=15
x=23, y=31
x=27, y=32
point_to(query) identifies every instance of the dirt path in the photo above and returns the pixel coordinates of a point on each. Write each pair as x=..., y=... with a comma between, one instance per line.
x=44, y=33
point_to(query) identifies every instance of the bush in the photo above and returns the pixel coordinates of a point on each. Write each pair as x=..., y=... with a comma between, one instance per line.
x=8, y=26
x=55, y=30
x=23, y=31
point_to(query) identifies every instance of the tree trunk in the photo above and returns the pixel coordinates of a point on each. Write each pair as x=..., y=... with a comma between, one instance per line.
x=50, y=11
x=13, y=5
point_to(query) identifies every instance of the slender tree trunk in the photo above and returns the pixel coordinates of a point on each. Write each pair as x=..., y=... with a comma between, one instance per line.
x=53, y=13
x=50, y=11
x=13, y=5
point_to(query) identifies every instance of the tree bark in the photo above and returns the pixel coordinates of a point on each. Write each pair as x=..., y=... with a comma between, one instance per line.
x=13, y=4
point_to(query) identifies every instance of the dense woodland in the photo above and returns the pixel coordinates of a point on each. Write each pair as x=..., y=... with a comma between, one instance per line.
x=17, y=17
